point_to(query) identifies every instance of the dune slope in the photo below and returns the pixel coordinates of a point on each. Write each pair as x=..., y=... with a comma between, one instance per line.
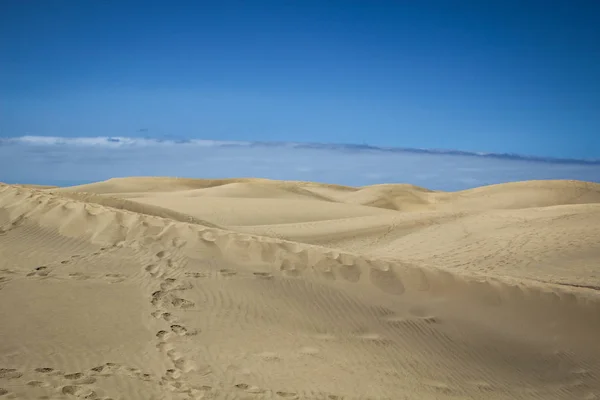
x=163, y=288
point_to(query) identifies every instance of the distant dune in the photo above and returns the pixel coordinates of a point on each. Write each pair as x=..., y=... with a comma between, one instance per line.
x=171, y=288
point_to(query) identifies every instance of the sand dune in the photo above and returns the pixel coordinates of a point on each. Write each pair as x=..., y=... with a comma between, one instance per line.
x=165, y=288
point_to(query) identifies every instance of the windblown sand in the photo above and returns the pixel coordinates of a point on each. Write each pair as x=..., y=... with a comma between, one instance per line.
x=164, y=288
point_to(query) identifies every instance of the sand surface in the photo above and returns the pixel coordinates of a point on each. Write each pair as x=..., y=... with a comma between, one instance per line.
x=165, y=288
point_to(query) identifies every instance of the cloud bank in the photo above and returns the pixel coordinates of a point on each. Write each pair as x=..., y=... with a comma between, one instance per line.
x=67, y=161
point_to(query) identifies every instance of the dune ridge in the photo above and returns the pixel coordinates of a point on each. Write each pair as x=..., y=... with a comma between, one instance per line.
x=233, y=311
x=399, y=221
x=22, y=205
x=528, y=194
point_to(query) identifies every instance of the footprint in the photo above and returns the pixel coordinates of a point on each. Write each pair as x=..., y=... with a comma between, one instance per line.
x=167, y=283
x=76, y=375
x=133, y=370
x=287, y=395
x=203, y=388
x=160, y=254
x=195, y=274
x=164, y=346
x=3, y=391
x=156, y=297
x=160, y=314
x=250, y=389
x=263, y=275
x=172, y=374
x=10, y=373
x=168, y=317
x=161, y=334
x=145, y=377
x=39, y=271
x=110, y=366
x=152, y=268
x=227, y=272
x=182, y=364
x=180, y=330
x=182, y=303
x=177, y=386
x=78, y=391
x=104, y=370
x=161, y=297
x=44, y=370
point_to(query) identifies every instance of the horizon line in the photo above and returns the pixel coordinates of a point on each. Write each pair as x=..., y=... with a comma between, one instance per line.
x=128, y=141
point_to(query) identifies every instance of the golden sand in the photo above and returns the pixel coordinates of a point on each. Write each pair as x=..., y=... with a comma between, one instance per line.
x=166, y=288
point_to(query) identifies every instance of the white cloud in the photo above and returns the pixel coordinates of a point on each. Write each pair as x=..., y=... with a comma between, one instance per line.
x=68, y=161
x=114, y=141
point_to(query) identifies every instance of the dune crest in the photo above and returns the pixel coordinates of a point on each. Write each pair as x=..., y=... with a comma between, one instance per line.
x=189, y=289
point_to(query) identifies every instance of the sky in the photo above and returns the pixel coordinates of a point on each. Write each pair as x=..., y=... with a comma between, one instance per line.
x=478, y=76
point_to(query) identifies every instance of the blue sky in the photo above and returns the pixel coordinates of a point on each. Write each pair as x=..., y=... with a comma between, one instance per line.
x=497, y=76
x=478, y=76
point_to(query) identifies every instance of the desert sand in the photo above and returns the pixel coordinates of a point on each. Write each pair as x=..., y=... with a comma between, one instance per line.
x=167, y=288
